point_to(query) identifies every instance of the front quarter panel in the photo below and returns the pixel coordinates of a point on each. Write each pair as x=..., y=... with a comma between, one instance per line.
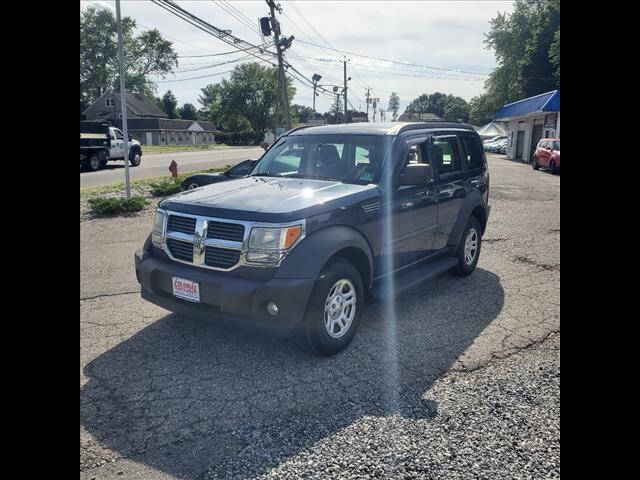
x=310, y=255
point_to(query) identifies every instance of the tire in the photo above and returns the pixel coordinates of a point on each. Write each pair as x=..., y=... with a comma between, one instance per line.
x=94, y=163
x=135, y=158
x=553, y=168
x=193, y=185
x=322, y=316
x=465, y=267
x=534, y=163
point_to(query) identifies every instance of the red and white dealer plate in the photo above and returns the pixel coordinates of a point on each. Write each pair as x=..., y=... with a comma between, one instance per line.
x=186, y=289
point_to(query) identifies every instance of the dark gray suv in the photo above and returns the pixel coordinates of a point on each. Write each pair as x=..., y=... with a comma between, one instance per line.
x=328, y=217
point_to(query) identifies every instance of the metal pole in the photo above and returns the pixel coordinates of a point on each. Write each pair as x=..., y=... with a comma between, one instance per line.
x=123, y=102
x=345, y=91
x=367, y=96
x=314, y=99
x=283, y=81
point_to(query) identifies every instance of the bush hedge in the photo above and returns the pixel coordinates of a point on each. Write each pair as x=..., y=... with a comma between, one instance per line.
x=104, y=206
x=239, y=138
x=166, y=187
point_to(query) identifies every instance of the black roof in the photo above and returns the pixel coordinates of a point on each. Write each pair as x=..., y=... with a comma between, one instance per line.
x=380, y=128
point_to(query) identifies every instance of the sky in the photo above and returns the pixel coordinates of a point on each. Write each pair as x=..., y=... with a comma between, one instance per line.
x=442, y=39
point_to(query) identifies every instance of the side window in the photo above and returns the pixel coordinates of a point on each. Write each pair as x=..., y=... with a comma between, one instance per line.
x=119, y=135
x=472, y=151
x=417, y=154
x=362, y=155
x=445, y=154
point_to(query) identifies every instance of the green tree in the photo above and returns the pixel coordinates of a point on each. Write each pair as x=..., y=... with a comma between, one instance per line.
x=249, y=99
x=145, y=54
x=554, y=53
x=337, y=110
x=455, y=109
x=301, y=113
x=522, y=42
x=394, y=105
x=482, y=109
x=170, y=104
x=188, y=112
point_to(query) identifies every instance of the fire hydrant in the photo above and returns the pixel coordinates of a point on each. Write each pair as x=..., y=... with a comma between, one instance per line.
x=173, y=168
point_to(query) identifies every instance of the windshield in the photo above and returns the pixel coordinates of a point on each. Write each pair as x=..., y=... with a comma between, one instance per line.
x=346, y=158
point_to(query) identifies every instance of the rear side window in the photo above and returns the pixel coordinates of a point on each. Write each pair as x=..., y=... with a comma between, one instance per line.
x=472, y=151
x=445, y=154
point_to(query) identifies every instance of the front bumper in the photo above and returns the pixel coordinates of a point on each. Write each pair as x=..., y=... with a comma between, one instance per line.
x=228, y=299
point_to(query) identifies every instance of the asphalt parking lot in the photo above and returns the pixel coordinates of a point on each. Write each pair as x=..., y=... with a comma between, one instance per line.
x=462, y=381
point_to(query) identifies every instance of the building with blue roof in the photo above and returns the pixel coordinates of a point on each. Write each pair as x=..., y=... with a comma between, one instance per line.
x=529, y=120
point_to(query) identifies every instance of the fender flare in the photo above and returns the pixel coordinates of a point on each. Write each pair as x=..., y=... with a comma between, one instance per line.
x=472, y=201
x=312, y=253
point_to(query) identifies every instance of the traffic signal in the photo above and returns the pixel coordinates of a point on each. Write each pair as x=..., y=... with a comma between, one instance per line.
x=265, y=26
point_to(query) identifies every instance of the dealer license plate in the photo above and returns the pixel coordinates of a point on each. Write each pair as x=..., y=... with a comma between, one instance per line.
x=186, y=289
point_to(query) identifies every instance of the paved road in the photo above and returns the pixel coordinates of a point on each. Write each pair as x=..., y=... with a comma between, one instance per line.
x=461, y=380
x=157, y=165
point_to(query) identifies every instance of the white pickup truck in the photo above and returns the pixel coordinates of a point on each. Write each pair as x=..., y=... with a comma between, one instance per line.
x=100, y=143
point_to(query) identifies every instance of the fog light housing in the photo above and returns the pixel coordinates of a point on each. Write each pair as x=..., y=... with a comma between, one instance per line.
x=272, y=308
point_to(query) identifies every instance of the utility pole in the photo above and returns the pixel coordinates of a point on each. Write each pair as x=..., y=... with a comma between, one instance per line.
x=346, y=120
x=315, y=79
x=367, y=101
x=123, y=102
x=281, y=77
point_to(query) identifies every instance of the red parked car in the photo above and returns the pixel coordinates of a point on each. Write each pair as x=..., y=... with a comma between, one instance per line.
x=547, y=155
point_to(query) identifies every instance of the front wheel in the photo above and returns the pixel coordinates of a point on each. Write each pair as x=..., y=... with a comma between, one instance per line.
x=534, y=163
x=468, y=251
x=135, y=158
x=334, y=309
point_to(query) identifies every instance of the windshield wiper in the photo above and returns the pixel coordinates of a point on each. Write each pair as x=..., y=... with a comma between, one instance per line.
x=314, y=176
x=266, y=175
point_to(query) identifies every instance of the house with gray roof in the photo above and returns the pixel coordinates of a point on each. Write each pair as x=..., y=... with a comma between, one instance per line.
x=147, y=123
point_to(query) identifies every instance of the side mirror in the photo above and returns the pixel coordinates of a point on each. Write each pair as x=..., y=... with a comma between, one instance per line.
x=416, y=174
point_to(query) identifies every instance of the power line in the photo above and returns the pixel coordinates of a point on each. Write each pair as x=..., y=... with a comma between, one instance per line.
x=236, y=16
x=225, y=53
x=224, y=35
x=212, y=65
x=396, y=61
x=192, y=78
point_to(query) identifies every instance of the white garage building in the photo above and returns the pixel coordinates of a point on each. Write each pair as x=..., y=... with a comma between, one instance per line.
x=528, y=121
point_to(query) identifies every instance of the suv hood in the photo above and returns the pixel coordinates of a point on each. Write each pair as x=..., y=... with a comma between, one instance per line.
x=268, y=199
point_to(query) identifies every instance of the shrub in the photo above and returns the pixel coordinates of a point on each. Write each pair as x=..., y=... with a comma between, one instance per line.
x=166, y=187
x=103, y=206
x=239, y=138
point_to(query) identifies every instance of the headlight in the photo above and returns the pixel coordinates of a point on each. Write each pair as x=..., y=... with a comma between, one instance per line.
x=268, y=245
x=158, y=227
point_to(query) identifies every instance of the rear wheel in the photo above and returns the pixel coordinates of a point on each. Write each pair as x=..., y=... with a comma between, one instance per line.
x=534, y=163
x=334, y=309
x=94, y=163
x=468, y=251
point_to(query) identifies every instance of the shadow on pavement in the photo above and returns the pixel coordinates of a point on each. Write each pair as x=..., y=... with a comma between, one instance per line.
x=193, y=399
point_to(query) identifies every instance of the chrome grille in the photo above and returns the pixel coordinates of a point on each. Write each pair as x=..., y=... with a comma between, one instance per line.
x=178, y=223
x=221, y=257
x=226, y=231
x=181, y=250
